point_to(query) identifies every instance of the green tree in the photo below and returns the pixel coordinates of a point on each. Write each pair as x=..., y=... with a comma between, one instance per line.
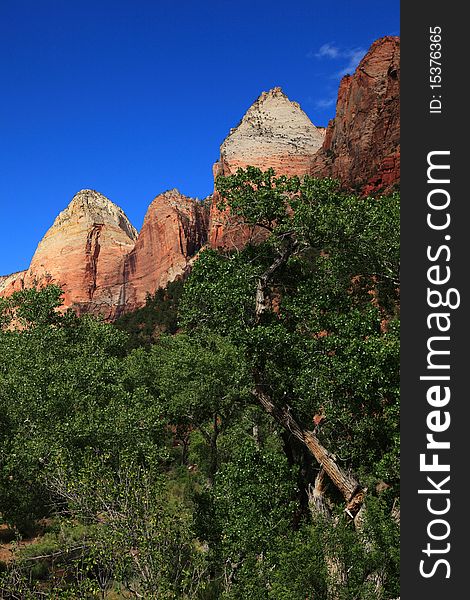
x=65, y=392
x=214, y=461
x=85, y=439
x=202, y=382
x=159, y=315
x=313, y=312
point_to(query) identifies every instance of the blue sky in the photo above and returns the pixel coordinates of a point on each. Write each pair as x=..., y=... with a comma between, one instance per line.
x=133, y=97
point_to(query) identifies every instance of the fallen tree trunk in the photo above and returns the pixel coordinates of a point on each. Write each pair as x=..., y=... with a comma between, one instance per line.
x=316, y=496
x=349, y=487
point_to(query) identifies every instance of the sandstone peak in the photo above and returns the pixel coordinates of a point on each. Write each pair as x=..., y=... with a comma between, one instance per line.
x=94, y=253
x=384, y=50
x=275, y=94
x=173, y=194
x=273, y=126
x=173, y=198
x=95, y=208
x=83, y=252
x=174, y=230
x=274, y=133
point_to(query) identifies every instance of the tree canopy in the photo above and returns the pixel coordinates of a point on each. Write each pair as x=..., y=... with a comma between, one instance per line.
x=236, y=438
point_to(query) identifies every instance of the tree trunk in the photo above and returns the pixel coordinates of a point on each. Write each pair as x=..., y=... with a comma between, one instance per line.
x=351, y=490
x=316, y=496
x=349, y=487
x=261, y=298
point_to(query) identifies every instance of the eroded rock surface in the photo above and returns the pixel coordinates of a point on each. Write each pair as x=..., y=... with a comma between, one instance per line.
x=94, y=252
x=174, y=229
x=362, y=142
x=84, y=253
x=274, y=133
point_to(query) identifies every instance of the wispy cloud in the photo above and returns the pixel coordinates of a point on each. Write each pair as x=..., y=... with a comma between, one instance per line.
x=350, y=57
x=354, y=57
x=325, y=102
x=328, y=50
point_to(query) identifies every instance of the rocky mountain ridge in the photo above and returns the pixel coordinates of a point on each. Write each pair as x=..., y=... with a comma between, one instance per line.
x=273, y=131
x=174, y=230
x=362, y=143
x=105, y=267
x=84, y=252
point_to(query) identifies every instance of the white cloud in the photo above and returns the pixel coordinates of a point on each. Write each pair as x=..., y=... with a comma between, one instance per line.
x=330, y=51
x=355, y=56
x=325, y=102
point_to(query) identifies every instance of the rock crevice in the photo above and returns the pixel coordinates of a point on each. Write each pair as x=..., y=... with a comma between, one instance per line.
x=92, y=252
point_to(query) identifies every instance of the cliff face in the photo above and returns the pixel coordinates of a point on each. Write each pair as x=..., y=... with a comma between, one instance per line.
x=104, y=268
x=11, y=283
x=94, y=253
x=362, y=143
x=174, y=229
x=274, y=133
x=83, y=252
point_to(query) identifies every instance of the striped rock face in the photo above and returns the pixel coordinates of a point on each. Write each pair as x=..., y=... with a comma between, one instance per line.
x=274, y=133
x=362, y=143
x=104, y=268
x=83, y=252
x=174, y=229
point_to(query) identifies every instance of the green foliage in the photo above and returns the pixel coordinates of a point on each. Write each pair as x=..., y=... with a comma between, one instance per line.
x=145, y=445
x=198, y=376
x=64, y=392
x=327, y=345
x=159, y=315
x=257, y=197
x=325, y=349
x=299, y=571
x=142, y=532
x=84, y=434
x=219, y=293
x=31, y=307
x=254, y=499
x=246, y=514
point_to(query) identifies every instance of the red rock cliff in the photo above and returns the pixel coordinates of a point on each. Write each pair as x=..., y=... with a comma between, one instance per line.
x=83, y=252
x=94, y=253
x=174, y=229
x=104, y=268
x=11, y=283
x=362, y=143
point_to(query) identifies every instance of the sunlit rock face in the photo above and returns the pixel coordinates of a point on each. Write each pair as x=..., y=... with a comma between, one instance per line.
x=104, y=268
x=11, y=283
x=174, y=229
x=84, y=252
x=362, y=143
x=274, y=133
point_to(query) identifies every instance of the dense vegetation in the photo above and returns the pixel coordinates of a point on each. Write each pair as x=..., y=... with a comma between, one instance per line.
x=159, y=315
x=243, y=448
